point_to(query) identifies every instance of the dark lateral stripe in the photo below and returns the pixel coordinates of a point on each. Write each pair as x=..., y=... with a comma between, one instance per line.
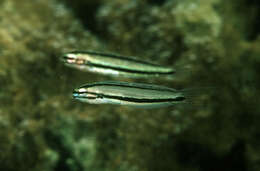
x=129, y=70
x=136, y=100
x=120, y=84
x=115, y=56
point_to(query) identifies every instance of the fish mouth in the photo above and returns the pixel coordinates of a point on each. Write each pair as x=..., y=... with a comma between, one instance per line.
x=84, y=95
x=68, y=60
x=75, y=95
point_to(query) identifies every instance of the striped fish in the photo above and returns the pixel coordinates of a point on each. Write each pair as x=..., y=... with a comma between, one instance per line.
x=111, y=64
x=132, y=94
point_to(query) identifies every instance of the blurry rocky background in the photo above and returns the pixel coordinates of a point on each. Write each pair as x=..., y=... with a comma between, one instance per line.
x=43, y=128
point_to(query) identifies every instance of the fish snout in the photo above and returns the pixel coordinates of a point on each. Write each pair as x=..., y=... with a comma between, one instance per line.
x=69, y=58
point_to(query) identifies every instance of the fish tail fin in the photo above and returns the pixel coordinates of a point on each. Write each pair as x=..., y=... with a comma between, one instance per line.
x=197, y=96
x=180, y=72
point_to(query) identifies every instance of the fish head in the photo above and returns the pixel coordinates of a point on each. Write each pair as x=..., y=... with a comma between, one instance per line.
x=84, y=95
x=73, y=59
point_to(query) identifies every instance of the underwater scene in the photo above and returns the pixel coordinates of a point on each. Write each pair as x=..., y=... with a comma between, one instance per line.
x=129, y=85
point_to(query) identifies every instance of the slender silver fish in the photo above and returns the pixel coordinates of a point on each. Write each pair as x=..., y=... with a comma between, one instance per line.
x=132, y=94
x=112, y=64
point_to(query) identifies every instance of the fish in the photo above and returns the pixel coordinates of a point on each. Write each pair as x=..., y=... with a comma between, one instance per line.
x=131, y=94
x=113, y=64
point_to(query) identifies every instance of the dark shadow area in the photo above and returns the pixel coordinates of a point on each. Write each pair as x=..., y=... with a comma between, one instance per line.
x=253, y=10
x=55, y=142
x=162, y=157
x=157, y=2
x=193, y=155
x=86, y=12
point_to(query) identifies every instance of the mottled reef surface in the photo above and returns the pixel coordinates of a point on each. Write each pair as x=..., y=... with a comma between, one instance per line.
x=43, y=128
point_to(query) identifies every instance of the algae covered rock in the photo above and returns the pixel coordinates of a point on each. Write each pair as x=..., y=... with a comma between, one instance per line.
x=34, y=92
